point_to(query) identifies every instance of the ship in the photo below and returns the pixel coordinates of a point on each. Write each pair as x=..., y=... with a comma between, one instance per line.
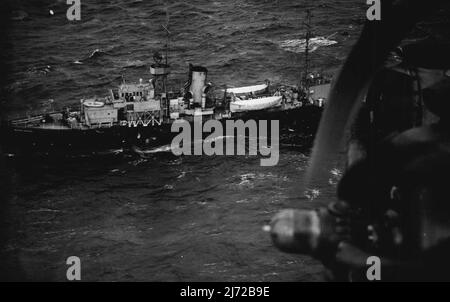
x=140, y=114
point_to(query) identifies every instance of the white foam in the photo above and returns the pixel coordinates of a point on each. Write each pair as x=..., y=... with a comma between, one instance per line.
x=299, y=45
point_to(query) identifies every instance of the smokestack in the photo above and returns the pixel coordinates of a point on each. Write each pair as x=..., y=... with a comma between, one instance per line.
x=198, y=82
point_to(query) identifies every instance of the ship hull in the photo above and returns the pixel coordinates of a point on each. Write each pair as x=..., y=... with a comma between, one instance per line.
x=72, y=142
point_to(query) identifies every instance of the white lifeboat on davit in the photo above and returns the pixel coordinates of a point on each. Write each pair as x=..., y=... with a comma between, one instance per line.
x=255, y=104
x=247, y=89
x=93, y=103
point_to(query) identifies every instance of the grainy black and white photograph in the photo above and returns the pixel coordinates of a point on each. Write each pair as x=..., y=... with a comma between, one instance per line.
x=230, y=141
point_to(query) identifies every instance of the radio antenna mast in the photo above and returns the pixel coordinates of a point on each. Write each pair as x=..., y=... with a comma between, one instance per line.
x=166, y=28
x=307, y=24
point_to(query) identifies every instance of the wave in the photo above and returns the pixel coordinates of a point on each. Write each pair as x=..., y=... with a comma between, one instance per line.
x=143, y=152
x=299, y=45
x=274, y=28
x=19, y=15
x=213, y=139
x=97, y=53
x=168, y=147
x=41, y=69
x=133, y=64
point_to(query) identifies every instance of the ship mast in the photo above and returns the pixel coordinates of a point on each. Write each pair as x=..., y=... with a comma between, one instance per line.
x=160, y=70
x=307, y=24
x=166, y=28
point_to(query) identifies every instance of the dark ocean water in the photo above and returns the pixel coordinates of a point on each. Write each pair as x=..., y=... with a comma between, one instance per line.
x=160, y=218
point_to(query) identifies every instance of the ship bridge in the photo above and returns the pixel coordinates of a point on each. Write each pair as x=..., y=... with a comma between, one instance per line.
x=136, y=92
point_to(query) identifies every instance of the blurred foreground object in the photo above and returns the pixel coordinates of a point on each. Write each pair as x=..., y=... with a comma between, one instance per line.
x=393, y=197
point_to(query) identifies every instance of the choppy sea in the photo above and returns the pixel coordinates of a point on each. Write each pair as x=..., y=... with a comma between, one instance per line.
x=159, y=218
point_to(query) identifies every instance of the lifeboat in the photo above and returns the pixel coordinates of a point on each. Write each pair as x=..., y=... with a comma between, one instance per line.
x=94, y=104
x=240, y=105
x=247, y=89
